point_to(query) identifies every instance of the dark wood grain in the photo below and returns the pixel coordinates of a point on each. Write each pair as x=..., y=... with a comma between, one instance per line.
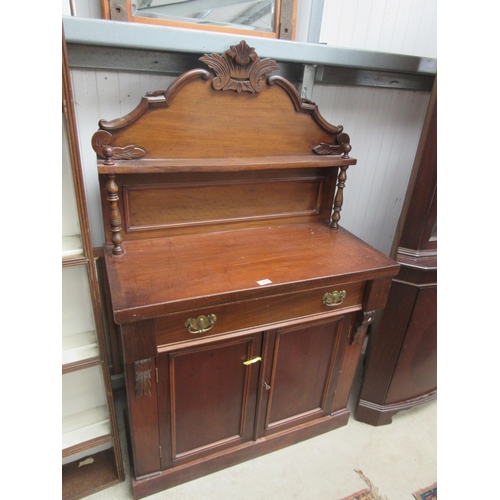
x=143, y=412
x=264, y=313
x=303, y=365
x=161, y=276
x=417, y=362
x=220, y=250
x=210, y=398
x=79, y=481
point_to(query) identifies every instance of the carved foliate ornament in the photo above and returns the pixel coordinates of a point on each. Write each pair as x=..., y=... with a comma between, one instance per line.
x=102, y=144
x=239, y=69
x=142, y=370
x=343, y=147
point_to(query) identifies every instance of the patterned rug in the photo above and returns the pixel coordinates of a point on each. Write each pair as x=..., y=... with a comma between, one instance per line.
x=372, y=493
x=366, y=494
x=362, y=495
x=429, y=493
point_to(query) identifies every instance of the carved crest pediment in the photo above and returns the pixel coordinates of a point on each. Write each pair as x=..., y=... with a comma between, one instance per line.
x=239, y=69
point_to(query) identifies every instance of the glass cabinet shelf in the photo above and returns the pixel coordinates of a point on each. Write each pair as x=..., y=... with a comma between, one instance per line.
x=79, y=338
x=72, y=246
x=85, y=426
x=85, y=415
x=91, y=451
x=79, y=347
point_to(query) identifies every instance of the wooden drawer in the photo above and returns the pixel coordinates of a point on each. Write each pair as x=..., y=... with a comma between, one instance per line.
x=257, y=314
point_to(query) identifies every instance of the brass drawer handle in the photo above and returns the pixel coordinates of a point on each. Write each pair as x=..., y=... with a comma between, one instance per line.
x=201, y=324
x=253, y=360
x=334, y=298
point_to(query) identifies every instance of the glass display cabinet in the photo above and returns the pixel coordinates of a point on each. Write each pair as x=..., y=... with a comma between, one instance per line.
x=91, y=453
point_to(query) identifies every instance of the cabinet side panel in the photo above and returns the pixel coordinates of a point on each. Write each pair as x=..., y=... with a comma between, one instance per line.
x=143, y=416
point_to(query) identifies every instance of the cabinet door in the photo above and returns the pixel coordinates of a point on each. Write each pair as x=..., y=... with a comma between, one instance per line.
x=415, y=373
x=207, y=398
x=302, y=366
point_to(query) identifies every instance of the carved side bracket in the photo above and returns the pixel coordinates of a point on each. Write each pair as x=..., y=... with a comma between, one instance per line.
x=239, y=69
x=142, y=377
x=339, y=198
x=101, y=142
x=363, y=320
x=342, y=147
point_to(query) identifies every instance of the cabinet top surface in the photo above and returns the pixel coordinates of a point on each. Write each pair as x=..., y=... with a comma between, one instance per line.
x=163, y=275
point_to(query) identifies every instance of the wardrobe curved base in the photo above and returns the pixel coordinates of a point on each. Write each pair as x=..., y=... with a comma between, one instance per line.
x=376, y=414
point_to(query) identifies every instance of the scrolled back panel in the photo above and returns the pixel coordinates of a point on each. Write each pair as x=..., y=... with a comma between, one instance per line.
x=236, y=110
x=204, y=123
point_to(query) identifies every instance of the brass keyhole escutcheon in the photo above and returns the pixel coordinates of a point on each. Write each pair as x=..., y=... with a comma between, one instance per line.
x=201, y=324
x=334, y=298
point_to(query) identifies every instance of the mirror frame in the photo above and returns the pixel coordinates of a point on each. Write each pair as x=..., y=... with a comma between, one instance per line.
x=286, y=12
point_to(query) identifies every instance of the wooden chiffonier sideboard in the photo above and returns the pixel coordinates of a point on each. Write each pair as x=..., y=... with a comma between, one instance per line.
x=401, y=357
x=242, y=304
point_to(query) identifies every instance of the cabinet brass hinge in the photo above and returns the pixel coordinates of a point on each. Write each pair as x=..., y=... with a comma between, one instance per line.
x=156, y=369
x=160, y=451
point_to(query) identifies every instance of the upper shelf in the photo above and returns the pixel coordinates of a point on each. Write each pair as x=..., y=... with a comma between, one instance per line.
x=221, y=164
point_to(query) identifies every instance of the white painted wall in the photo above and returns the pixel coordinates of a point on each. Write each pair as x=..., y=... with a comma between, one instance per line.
x=384, y=126
x=398, y=26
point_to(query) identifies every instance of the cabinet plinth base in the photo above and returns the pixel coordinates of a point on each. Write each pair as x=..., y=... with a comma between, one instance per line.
x=376, y=414
x=253, y=449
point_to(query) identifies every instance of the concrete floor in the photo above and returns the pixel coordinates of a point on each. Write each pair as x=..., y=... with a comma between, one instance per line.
x=398, y=459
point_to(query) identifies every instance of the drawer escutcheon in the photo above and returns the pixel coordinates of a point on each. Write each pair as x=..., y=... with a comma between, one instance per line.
x=334, y=298
x=201, y=324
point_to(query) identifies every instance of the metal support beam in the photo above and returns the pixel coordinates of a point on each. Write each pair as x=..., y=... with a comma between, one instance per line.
x=315, y=20
x=332, y=75
x=168, y=39
x=175, y=63
x=151, y=61
x=308, y=81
